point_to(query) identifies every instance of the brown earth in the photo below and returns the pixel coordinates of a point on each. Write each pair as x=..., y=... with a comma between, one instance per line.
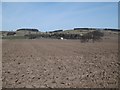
x=59, y=64
x=0, y=64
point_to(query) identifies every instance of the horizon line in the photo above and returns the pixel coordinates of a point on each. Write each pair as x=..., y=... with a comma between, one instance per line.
x=65, y=29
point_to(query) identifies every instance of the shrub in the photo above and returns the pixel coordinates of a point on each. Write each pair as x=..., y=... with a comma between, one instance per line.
x=94, y=36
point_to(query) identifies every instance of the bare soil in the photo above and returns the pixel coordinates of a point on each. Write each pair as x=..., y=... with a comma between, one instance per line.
x=59, y=64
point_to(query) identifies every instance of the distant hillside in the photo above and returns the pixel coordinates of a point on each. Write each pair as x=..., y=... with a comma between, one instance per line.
x=106, y=29
x=71, y=33
x=27, y=29
x=76, y=31
x=118, y=30
x=56, y=31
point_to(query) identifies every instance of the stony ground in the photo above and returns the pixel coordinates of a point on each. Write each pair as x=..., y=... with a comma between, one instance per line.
x=59, y=64
x=0, y=64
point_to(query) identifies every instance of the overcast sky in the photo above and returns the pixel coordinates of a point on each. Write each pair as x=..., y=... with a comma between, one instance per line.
x=60, y=15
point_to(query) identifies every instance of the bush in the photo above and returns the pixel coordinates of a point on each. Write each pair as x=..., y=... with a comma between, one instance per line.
x=94, y=36
x=53, y=36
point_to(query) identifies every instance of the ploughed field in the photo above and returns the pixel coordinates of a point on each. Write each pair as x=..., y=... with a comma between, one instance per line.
x=59, y=64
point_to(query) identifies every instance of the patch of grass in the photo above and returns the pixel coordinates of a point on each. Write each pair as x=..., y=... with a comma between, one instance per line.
x=14, y=37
